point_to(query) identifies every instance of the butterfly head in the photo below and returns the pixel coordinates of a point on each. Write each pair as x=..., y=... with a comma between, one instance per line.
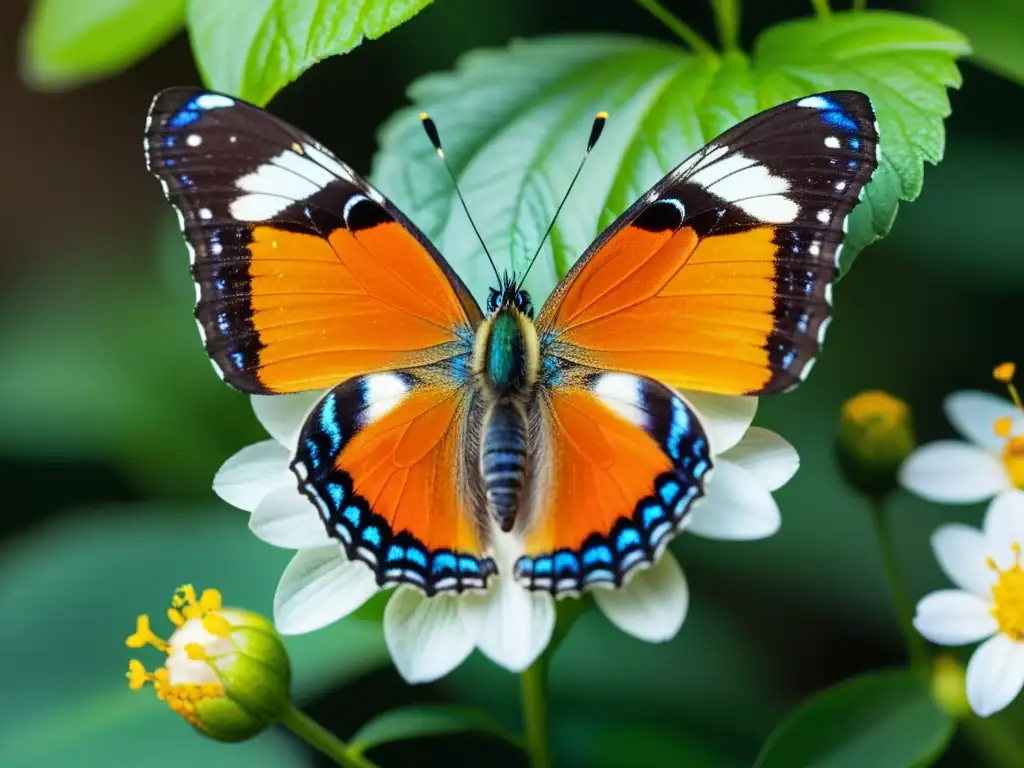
x=509, y=295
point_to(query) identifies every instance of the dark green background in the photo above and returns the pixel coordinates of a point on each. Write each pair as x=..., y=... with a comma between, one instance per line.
x=112, y=425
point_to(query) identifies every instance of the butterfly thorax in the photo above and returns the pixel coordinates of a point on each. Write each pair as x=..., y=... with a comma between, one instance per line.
x=506, y=358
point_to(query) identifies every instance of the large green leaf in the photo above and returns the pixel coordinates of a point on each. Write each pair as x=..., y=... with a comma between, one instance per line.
x=418, y=722
x=883, y=719
x=994, y=29
x=255, y=48
x=514, y=122
x=69, y=597
x=68, y=42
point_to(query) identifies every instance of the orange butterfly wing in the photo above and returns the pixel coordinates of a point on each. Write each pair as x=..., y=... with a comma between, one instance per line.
x=719, y=278
x=305, y=275
x=384, y=458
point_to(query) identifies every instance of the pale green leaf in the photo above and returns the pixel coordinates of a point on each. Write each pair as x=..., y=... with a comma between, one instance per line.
x=884, y=719
x=417, y=722
x=255, y=48
x=514, y=122
x=69, y=42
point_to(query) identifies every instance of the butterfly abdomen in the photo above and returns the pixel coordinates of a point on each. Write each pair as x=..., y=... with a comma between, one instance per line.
x=503, y=461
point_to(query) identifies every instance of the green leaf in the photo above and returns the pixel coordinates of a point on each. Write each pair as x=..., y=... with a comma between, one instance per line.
x=70, y=42
x=880, y=719
x=417, y=722
x=75, y=587
x=254, y=49
x=514, y=122
x=993, y=27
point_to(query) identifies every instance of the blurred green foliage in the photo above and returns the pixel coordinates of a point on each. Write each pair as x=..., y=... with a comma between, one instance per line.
x=104, y=373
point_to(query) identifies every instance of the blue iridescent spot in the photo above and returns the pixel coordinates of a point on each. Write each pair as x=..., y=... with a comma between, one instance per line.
x=353, y=515
x=855, y=143
x=372, y=535
x=652, y=514
x=223, y=323
x=185, y=180
x=852, y=164
x=668, y=491
x=220, y=284
x=329, y=421
x=566, y=561
x=337, y=494
x=542, y=565
x=788, y=359
x=443, y=561
x=417, y=556
x=839, y=119
x=238, y=359
x=184, y=117
x=629, y=537
x=170, y=142
x=313, y=452
x=524, y=566
x=678, y=428
x=469, y=564
x=599, y=554
x=395, y=552
x=699, y=468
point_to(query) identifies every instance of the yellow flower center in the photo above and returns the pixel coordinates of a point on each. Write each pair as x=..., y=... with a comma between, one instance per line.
x=1013, y=460
x=183, y=698
x=1008, y=597
x=1013, y=448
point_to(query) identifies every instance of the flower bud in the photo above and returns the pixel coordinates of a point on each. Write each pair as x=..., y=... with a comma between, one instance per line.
x=949, y=686
x=226, y=670
x=875, y=437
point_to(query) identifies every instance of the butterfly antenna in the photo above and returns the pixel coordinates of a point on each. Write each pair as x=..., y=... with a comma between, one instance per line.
x=435, y=139
x=595, y=134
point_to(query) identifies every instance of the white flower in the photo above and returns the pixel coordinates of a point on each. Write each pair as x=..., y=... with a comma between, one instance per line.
x=989, y=463
x=429, y=637
x=989, y=604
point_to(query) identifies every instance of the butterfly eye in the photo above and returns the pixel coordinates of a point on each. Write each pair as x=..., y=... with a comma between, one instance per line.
x=523, y=304
x=492, y=300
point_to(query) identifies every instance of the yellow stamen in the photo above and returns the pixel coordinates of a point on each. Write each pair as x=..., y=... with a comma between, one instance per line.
x=175, y=617
x=210, y=601
x=144, y=636
x=217, y=625
x=195, y=651
x=137, y=675
x=1013, y=460
x=1008, y=597
x=1002, y=427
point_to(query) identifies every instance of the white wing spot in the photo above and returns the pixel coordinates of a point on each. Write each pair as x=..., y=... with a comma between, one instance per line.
x=749, y=185
x=840, y=186
x=382, y=392
x=824, y=215
x=329, y=162
x=814, y=249
x=205, y=213
x=813, y=102
x=623, y=393
x=213, y=101
x=194, y=140
x=832, y=142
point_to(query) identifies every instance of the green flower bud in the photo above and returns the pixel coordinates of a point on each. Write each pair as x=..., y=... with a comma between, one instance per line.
x=875, y=437
x=226, y=672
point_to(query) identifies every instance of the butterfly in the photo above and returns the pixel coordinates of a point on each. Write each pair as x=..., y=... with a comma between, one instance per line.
x=447, y=426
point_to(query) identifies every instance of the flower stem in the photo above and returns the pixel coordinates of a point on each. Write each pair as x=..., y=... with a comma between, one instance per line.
x=821, y=9
x=727, y=20
x=535, y=712
x=916, y=648
x=993, y=738
x=680, y=28
x=318, y=737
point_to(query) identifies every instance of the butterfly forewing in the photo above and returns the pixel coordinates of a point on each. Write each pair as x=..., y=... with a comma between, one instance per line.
x=294, y=256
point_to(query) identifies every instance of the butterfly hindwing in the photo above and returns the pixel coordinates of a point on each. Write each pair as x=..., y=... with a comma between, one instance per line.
x=622, y=459
x=719, y=278
x=305, y=275
x=384, y=459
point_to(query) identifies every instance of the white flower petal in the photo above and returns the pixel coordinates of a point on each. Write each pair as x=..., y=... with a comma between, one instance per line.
x=283, y=415
x=318, y=587
x=252, y=473
x=1004, y=525
x=427, y=636
x=286, y=518
x=995, y=675
x=954, y=617
x=962, y=552
x=737, y=506
x=953, y=472
x=767, y=455
x=651, y=605
x=726, y=418
x=515, y=623
x=974, y=413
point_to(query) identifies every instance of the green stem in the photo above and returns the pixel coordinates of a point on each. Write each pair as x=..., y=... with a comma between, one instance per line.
x=535, y=712
x=916, y=648
x=727, y=20
x=681, y=29
x=821, y=9
x=993, y=738
x=318, y=737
